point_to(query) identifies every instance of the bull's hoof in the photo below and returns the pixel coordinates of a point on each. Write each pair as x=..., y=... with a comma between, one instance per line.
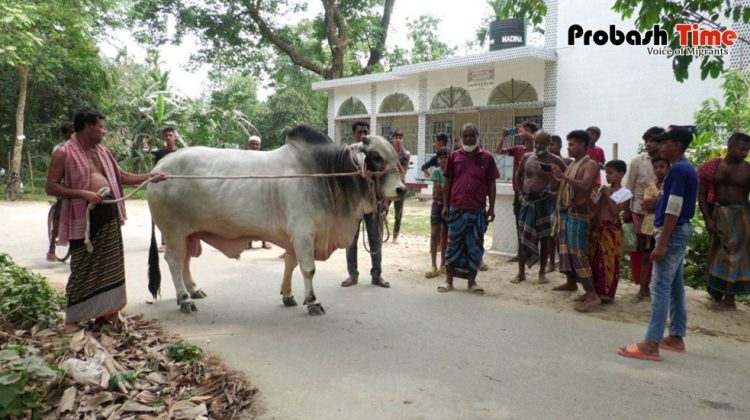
x=289, y=301
x=198, y=294
x=315, y=309
x=186, y=304
x=188, y=307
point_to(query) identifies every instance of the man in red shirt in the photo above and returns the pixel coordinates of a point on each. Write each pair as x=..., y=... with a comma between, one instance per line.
x=526, y=131
x=470, y=176
x=595, y=152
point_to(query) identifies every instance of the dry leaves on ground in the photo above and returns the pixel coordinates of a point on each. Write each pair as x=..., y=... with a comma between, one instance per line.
x=134, y=377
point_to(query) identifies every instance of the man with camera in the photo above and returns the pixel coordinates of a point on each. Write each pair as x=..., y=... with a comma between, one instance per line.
x=535, y=219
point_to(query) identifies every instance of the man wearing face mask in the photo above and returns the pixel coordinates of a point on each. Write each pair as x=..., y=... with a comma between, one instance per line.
x=535, y=221
x=470, y=176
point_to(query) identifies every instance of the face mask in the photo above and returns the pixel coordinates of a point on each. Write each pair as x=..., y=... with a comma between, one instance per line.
x=468, y=148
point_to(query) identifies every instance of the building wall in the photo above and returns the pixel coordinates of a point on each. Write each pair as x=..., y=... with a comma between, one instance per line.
x=621, y=89
x=531, y=71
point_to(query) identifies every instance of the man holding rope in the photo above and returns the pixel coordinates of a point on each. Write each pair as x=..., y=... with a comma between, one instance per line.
x=96, y=286
x=374, y=234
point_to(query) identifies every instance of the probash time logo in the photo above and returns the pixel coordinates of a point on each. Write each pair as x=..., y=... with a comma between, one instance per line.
x=692, y=39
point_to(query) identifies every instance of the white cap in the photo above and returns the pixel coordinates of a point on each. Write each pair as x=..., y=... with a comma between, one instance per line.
x=253, y=138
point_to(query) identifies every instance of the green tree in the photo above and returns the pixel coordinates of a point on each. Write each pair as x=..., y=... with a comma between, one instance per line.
x=667, y=14
x=425, y=43
x=31, y=32
x=348, y=37
x=715, y=122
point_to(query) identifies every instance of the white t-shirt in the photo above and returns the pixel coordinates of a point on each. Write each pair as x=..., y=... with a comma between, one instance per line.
x=618, y=197
x=622, y=195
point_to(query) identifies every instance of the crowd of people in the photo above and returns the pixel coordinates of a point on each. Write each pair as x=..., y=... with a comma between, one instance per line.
x=566, y=217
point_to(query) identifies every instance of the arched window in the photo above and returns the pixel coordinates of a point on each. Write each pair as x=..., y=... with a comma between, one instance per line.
x=511, y=92
x=352, y=106
x=452, y=97
x=396, y=102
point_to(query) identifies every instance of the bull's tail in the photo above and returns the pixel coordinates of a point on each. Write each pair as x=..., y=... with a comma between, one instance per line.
x=154, y=274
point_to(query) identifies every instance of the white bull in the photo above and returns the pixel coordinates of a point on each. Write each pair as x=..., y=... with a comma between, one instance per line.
x=309, y=217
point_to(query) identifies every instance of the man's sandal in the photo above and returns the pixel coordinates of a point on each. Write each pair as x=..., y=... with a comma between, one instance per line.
x=445, y=287
x=350, y=281
x=634, y=352
x=476, y=289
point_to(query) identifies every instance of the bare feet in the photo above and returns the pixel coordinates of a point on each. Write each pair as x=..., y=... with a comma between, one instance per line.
x=162, y=248
x=591, y=299
x=580, y=298
x=51, y=256
x=518, y=278
x=69, y=328
x=543, y=279
x=395, y=240
x=567, y=287
x=550, y=268
x=724, y=306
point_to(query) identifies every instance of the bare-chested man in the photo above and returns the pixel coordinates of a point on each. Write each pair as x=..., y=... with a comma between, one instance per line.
x=535, y=221
x=573, y=199
x=96, y=287
x=730, y=268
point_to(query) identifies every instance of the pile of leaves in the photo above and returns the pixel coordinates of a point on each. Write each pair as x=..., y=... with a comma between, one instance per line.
x=131, y=370
x=144, y=373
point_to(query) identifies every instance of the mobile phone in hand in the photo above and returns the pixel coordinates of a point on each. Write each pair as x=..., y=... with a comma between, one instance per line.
x=511, y=131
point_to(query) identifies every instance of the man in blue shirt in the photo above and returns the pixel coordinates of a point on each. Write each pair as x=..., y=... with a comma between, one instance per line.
x=673, y=230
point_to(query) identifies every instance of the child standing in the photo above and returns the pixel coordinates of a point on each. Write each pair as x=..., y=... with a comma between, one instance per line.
x=606, y=231
x=439, y=232
x=651, y=196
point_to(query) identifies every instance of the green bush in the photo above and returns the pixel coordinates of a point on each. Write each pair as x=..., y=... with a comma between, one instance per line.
x=182, y=351
x=27, y=299
x=24, y=378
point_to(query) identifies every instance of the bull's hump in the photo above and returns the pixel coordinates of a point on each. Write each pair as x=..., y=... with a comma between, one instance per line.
x=305, y=136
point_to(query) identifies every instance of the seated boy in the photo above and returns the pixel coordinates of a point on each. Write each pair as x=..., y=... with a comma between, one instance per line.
x=606, y=231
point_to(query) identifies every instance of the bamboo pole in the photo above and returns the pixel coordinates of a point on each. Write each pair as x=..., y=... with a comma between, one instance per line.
x=615, y=147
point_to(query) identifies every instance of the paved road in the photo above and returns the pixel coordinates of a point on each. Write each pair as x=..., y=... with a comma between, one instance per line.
x=409, y=352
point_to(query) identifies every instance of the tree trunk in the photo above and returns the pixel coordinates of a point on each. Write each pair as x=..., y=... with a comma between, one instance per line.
x=14, y=186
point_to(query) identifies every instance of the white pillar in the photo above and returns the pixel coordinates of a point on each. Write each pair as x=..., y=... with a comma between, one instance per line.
x=373, y=108
x=422, y=121
x=331, y=114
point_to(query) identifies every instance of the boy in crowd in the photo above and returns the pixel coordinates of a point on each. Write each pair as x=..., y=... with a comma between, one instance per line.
x=673, y=231
x=651, y=196
x=440, y=141
x=606, y=231
x=439, y=233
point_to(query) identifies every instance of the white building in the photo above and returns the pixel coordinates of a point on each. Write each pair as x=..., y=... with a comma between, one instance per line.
x=621, y=89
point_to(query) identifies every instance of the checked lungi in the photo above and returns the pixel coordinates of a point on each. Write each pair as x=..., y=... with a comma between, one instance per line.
x=466, y=229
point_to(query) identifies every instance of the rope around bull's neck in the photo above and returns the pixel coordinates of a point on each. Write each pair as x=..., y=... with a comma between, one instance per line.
x=370, y=176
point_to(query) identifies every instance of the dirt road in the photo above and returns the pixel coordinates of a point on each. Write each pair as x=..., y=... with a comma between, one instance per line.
x=409, y=352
